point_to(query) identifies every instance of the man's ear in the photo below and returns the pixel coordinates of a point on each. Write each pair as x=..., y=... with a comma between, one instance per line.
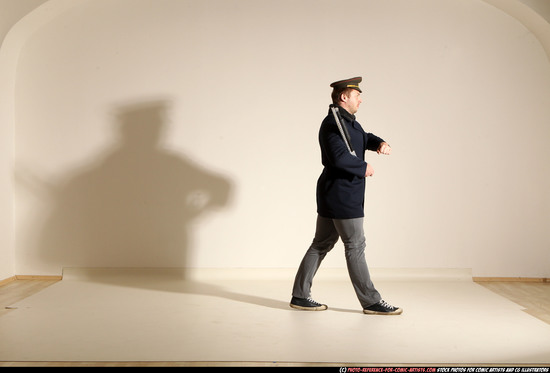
x=343, y=97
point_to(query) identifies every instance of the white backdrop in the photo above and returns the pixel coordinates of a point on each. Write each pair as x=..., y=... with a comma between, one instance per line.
x=184, y=133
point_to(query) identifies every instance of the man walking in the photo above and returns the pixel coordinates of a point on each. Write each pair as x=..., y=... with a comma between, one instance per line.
x=340, y=201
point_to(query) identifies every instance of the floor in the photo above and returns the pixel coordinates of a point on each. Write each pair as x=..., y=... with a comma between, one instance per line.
x=532, y=296
x=225, y=318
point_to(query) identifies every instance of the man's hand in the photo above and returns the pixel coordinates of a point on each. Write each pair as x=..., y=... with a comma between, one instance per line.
x=370, y=170
x=384, y=148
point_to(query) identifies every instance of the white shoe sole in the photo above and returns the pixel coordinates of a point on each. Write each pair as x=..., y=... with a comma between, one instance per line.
x=398, y=311
x=320, y=308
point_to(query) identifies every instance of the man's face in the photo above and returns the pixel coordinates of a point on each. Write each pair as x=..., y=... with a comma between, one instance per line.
x=352, y=101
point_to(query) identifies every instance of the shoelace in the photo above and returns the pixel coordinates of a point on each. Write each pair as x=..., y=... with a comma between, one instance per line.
x=314, y=302
x=383, y=303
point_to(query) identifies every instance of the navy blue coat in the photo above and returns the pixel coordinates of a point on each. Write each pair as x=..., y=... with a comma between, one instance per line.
x=341, y=186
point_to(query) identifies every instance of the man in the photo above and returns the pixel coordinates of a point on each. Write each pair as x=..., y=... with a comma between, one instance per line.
x=340, y=201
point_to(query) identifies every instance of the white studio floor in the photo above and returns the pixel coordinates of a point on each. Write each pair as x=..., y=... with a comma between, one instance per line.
x=243, y=316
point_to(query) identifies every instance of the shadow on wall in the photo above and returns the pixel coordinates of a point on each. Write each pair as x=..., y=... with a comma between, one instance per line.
x=134, y=209
x=133, y=206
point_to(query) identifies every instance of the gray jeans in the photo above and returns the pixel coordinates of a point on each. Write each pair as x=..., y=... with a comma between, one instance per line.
x=326, y=235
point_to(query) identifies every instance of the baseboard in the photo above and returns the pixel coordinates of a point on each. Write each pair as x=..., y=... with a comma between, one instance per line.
x=7, y=280
x=30, y=277
x=38, y=277
x=380, y=273
x=328, y=274
x=511, y=279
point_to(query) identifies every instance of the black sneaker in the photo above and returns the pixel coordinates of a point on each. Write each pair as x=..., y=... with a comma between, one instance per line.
x=307, y=304
x=382, y=308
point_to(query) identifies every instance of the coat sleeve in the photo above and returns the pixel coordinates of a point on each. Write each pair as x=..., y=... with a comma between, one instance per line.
x=372, y=142
x=336, y=153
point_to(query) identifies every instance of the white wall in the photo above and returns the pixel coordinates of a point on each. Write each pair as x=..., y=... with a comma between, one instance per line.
x=7, y=262
x=184, y=133
x=10, y=13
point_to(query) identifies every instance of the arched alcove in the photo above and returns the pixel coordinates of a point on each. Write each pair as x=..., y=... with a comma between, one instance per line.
x=458, y=88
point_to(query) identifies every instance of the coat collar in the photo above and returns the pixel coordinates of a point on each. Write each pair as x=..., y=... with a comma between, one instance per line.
x=344, y=114
x=347, y=115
